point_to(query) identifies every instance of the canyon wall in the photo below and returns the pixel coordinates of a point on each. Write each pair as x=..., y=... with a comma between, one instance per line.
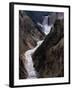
x=49, y=57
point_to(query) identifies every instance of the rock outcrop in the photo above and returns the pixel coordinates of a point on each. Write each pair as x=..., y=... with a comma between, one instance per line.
x=49, y=57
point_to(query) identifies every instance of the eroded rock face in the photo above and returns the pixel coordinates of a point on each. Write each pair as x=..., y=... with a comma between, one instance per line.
x=28, y=37
x=49, y=57
x=22, y=71
x=28, y=34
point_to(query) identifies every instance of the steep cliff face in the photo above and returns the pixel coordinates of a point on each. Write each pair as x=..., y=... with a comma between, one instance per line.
x=49, y=57
x=28, y=33
x=28, y=37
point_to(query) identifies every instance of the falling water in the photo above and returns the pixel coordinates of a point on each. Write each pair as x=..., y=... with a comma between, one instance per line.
x=46, y=27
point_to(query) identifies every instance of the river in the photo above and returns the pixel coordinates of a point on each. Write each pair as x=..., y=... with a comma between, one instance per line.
x=28, y=54
x=29, y=62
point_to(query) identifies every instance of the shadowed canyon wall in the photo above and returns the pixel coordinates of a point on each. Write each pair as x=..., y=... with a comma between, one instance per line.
x=49, y=57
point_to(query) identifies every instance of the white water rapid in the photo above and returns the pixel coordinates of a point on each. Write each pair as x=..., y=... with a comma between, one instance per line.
x=29, y=63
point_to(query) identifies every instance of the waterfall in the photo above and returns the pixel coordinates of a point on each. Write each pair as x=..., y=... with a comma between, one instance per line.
x=46, y=27
x=29, y=62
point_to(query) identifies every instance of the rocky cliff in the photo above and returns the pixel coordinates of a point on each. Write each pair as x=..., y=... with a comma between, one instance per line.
x=49, y=57
x=28, y=37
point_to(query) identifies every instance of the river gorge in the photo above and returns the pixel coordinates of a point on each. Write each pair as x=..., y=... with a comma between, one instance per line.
x=41, y=45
